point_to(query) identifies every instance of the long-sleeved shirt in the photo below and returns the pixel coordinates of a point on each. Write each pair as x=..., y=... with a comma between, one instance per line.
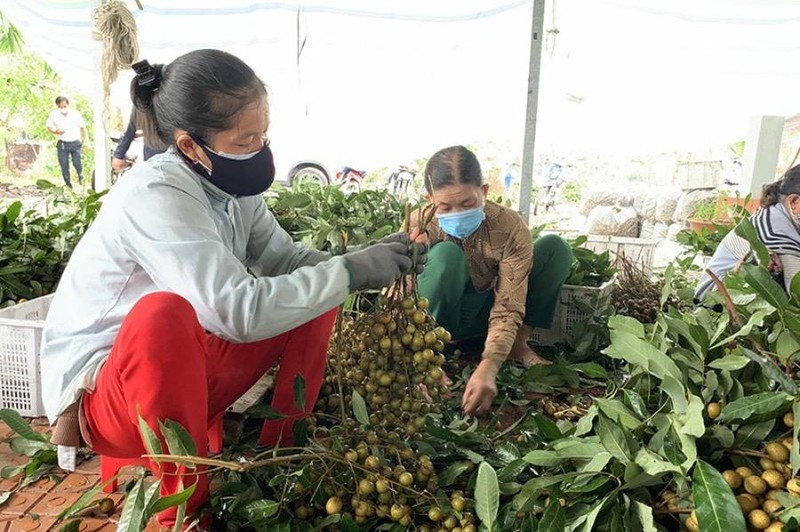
x=775, y=229
x=500, y=256
x=126, y=140
x=171, y=230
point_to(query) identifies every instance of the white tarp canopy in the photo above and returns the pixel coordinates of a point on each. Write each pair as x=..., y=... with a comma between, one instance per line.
x=403, y=77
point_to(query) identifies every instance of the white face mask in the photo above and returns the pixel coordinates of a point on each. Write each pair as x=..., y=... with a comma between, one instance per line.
x=64, y=111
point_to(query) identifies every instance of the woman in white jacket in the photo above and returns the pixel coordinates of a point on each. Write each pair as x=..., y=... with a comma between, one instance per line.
x=185, y=290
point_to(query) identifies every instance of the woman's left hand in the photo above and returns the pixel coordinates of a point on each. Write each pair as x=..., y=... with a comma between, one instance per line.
x=481, y=388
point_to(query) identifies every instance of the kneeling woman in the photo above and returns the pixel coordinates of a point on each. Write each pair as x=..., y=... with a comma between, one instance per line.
x=483, y=275
x=185, y=289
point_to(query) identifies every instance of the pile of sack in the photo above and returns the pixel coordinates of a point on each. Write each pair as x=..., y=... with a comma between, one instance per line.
x=658, y=213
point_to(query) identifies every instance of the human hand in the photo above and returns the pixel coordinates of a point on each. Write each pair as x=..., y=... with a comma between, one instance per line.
x=417, y=247
x=378, y=265
x=481, y=388
x=775, y=263
x=117, y=165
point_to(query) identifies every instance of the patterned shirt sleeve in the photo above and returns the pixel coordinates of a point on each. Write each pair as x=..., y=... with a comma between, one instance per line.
x=510, y=293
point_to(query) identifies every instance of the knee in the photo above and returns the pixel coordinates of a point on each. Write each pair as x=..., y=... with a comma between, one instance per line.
x=165, y=308
x=446, y=252
x=553, y=249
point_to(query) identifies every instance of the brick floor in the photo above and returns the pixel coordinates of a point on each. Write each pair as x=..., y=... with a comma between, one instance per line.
x=35, y=506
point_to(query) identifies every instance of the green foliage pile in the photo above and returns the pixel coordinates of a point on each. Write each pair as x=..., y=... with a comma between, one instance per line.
x=325, y=218
x=589, y=268
x=35, y=244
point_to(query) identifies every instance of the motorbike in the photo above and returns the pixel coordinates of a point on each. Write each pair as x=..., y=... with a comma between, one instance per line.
x=349, y=179
x=399, y=179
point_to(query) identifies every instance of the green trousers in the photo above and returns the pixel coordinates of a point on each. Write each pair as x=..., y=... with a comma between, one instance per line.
x=464, y=312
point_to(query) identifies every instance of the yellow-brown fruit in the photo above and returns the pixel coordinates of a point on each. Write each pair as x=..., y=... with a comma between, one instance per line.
x=744, y=472
x=775, y=526
x=667, y=495
x=755, y=485
x=733, y=479
x=777, y=452
x=767, y=463
x=405, y=479
x=691, y=523
x=759, y=519
x=713, y=410
x=788, y=419
x=793, y=486
x=106, y=506
x=435, y=514
x=787, y=442
x=458, y=503
x=771, y=505
x=747, y=502
x=333, y=506
x=773, y=494
x=774, y=479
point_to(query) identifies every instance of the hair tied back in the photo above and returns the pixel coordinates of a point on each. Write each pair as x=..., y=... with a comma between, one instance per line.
x=149, y=75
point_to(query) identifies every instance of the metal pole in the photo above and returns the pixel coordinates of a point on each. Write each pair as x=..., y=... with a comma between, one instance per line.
x=526, y=178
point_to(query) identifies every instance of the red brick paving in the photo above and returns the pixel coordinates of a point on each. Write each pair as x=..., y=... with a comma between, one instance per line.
x=34, y=507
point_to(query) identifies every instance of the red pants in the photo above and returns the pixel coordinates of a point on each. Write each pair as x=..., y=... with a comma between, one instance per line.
x=167, y=366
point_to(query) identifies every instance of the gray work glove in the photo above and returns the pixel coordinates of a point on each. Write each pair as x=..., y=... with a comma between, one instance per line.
x=379, y=265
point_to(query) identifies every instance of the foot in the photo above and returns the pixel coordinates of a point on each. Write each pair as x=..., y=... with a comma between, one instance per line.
x=528, y=357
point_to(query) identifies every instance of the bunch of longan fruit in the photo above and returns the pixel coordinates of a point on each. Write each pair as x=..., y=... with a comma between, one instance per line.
x=393, y=358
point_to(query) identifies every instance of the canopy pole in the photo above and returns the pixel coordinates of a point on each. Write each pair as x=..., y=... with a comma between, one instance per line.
x=526, y=177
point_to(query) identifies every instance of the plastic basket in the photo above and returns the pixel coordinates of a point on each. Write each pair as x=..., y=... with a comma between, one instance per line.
x=20, y=374
x=577, y=304
x=640, y=251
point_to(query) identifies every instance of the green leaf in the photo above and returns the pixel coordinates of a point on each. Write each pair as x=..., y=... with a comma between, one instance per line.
x=19, y=425
x=300, y=392
x=615, y=410
x=85, y=501
x=771, y=370
x=133, y=513
x=4, y=496
x=261, y=509
x=588, y=519
x=645, y=515
x=554, y=519
x=179, y=441
x=714, y=502
x=613, y=439
x=542, y=457
x=761, y=281
x=151, y=441
x=536, y=486
x=753, y=408
x=653, y=464
x=72, y=526
x=590, y=369
x=756, y=320
x=746, y=230
x=487, y=496
x=360, y=408
x=584, y=425
x=626, y=346
x=455, y=470
x=794, y=288
x=730, y=362
x=752, y=435
x=168, y=501
x=28, y=447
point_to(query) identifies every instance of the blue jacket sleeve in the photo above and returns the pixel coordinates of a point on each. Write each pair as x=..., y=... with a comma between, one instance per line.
x=126, y=139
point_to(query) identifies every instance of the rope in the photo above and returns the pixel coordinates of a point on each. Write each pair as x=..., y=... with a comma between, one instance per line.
x=114, y=24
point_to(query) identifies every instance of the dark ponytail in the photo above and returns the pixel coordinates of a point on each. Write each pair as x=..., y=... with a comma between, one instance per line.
x=143, y=87
x=455, y=164
x=788, y=184
x=201, y=92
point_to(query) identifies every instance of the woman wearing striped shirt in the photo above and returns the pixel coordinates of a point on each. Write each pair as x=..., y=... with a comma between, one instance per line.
x=777, y=224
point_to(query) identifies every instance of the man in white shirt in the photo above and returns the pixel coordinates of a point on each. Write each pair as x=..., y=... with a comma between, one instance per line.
x=70, y=130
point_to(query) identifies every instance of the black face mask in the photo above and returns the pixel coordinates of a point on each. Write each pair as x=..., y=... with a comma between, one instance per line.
x=239, y=175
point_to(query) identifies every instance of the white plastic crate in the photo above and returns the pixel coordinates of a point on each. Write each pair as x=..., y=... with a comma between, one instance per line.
x=20, y=374
x=572, y=310
x=691, y=175
x=640, y=251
